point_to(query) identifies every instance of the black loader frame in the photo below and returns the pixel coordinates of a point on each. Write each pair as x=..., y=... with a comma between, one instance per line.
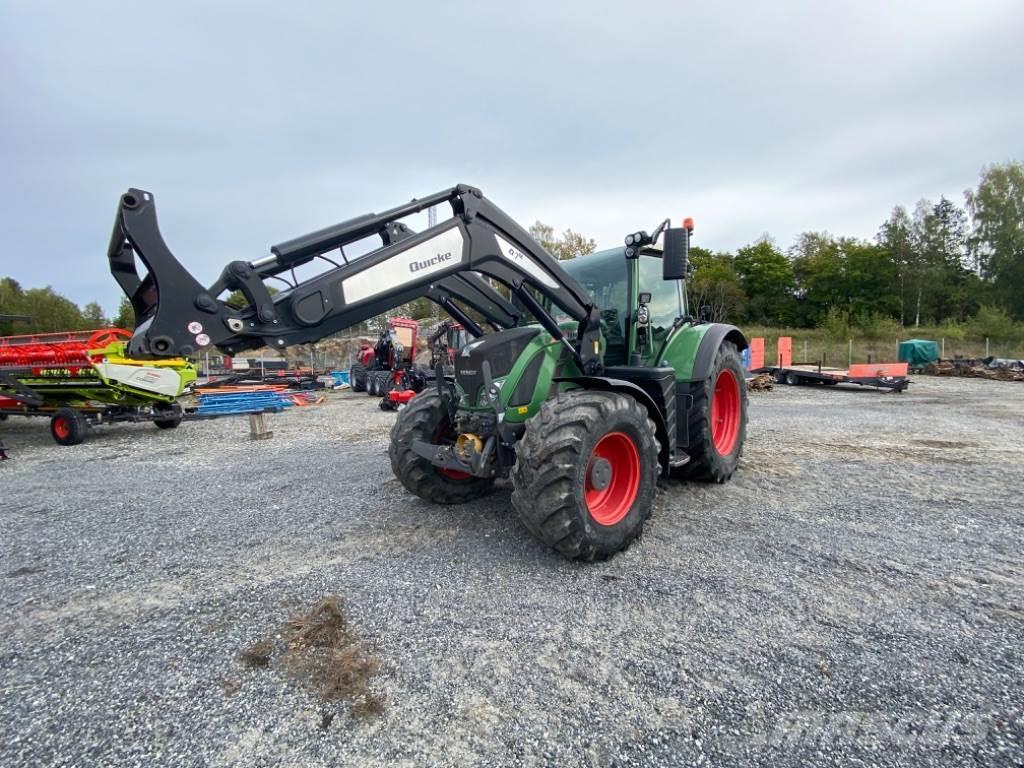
x=176, y=315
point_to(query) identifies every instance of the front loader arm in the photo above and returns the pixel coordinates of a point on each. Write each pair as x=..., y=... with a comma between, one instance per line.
x=176, y=315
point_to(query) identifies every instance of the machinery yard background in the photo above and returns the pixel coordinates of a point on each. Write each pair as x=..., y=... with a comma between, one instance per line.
x=856, y=590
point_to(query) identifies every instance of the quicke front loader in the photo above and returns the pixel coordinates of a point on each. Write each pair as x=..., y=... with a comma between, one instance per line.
x=595, y=379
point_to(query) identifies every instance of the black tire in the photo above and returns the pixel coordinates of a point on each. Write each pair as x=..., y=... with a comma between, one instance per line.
x=67, y=426
x=357, y=377
x=555, y=462
x=169, y=418
x=707, y=462
x=426, y=418
x=792, y=379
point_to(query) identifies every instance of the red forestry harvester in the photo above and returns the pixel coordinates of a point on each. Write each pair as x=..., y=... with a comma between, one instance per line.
x=443, y=344
x=382, y=367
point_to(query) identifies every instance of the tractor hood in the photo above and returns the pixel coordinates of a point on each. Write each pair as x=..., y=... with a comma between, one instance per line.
x=501, y=350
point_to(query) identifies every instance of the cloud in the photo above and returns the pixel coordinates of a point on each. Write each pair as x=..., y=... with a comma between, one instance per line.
x=253, y=123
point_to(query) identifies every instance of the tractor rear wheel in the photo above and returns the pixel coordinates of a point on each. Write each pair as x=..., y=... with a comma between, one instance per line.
x=67, y=426
x=585, y=474
x=357, y=377
x=718, y=419
x=426, y=418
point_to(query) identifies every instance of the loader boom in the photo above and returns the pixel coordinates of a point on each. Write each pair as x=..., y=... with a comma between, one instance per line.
x=176, y=315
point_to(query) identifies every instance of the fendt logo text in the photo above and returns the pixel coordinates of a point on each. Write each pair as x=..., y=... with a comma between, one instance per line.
x=416, y=266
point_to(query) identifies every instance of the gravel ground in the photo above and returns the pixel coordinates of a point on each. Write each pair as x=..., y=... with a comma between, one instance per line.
x=854, y=596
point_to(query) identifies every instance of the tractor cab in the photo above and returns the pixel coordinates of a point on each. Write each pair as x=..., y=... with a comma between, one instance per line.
x=638, y=306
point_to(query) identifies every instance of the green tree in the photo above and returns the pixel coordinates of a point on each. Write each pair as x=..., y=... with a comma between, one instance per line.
x=12, y=302
x=766, y=276
x=51, y=312
x=714, y=289
x=568, y=246
x=125, y=317
x=997, y=235
x=819, y=275
x=93, y=317
x=940, y=235
x=896, y=238
x=869, y=275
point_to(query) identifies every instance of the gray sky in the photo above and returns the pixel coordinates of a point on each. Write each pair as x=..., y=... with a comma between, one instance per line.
x=253, y=125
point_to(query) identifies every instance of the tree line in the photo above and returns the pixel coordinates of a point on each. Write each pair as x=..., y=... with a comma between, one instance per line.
x=942, y=263
x=50, y=312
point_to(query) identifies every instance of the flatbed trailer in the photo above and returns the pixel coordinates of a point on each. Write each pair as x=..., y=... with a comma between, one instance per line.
x=892, y=376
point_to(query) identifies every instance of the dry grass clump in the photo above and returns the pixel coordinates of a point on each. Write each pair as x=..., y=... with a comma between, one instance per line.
x=323, y=652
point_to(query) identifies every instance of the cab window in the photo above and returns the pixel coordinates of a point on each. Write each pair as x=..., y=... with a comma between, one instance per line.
x=666, y=304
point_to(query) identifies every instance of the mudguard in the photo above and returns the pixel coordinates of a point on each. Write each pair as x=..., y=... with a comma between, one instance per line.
x=607, y=384
x=709, y=344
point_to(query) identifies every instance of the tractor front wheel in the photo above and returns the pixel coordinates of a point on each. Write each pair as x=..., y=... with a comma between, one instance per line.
x=426, y=418
x=718, y=419
x=586, y=472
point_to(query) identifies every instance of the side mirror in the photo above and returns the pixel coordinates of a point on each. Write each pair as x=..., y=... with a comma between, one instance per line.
x=675, y=260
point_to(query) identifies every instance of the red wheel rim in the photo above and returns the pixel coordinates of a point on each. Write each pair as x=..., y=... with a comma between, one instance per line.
x=609, y=504
x=61, y=428
x=725, y=412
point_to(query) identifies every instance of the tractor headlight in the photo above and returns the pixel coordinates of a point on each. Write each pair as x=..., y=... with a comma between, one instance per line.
x=490, y=395
x=643, y=315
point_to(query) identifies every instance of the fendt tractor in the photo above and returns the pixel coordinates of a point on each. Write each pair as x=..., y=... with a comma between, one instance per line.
x=594, y=379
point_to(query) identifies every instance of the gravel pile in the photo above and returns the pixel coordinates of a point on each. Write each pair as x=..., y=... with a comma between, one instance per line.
x=855, y=595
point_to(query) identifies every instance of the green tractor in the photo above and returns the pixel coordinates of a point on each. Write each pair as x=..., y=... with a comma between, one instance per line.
x=595, y=377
